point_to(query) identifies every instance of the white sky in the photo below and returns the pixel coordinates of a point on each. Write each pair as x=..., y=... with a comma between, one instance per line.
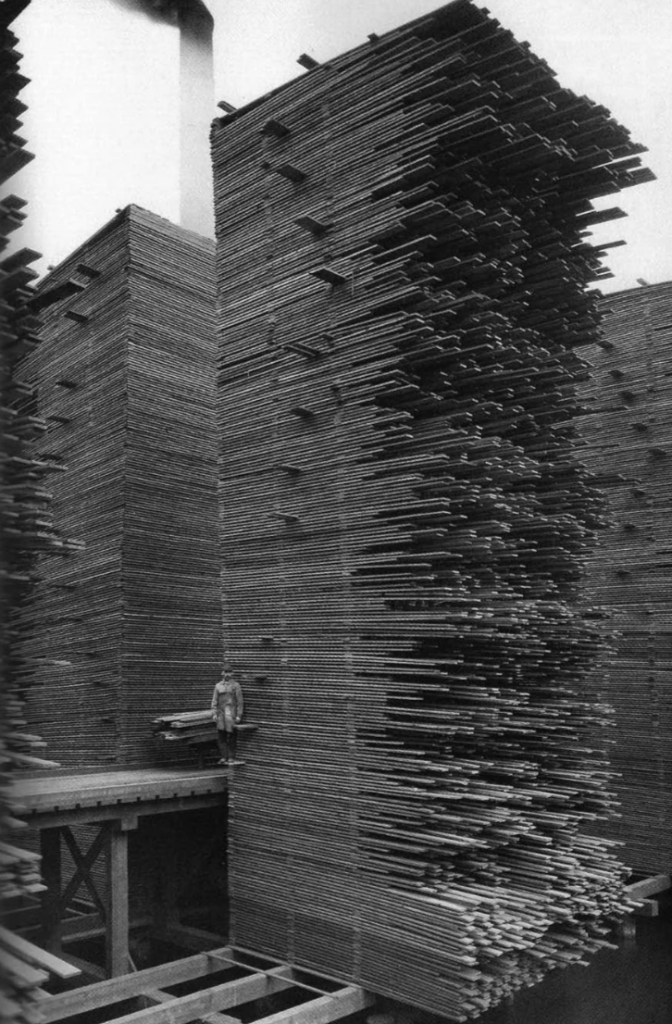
x=105, y=131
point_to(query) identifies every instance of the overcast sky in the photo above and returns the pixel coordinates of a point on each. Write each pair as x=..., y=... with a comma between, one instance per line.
x=103, y=101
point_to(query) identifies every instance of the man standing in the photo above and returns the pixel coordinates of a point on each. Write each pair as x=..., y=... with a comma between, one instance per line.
x=227, y=711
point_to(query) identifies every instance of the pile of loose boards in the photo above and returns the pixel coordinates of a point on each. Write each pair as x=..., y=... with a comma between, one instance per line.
x=628, y=432
x=125, y=375
x=402, y=264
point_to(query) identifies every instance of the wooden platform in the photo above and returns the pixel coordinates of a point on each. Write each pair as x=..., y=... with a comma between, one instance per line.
x=327, y=998
x=54, y=803
x=64, y=798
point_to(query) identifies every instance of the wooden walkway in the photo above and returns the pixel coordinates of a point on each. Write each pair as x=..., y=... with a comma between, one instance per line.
x=53, y=798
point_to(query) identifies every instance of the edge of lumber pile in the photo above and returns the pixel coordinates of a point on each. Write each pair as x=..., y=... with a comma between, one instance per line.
x=125, y=378
x=627, y=432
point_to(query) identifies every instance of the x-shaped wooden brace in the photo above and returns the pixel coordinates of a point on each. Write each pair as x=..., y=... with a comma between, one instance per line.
x=83, y=864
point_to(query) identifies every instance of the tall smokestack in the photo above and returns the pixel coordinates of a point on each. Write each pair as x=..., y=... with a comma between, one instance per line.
x=132, y=81
x=197, y=103
x=197, y=100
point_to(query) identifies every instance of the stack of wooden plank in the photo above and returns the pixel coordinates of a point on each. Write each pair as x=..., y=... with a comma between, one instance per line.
x=628, y=433
x=26, y=968
x=402, y=267
x=193, y=728
x=19, y=870
x=189, y=727
x=26, y=531
x=125, y=379
x=26, y=524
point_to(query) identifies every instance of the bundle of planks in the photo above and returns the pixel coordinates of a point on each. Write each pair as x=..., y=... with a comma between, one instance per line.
x=628, y=435
x=190, y=727
x=193, y=728
x=402, y=266
x=125, y=376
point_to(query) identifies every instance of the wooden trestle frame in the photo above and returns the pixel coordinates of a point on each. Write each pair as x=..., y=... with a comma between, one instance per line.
x=111, y=841
x=114, y=802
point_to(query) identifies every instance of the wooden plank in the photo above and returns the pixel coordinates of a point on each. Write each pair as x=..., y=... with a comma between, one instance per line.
x=20, y=974
x=157, y=996
x=117, y=914
x=338, y=1004
x=268, y=971
x=85, y=966
x=648, y=887
x=32, y=954
x=113, y=990
x=219, y=997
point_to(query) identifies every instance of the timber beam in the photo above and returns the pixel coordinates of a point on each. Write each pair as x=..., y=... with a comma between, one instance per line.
x=325, y=1009
x=642, y=890
x=119, y=812
x=157, y=996
x=93, y=997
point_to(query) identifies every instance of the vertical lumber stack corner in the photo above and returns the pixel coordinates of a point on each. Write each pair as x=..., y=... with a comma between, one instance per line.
x=126, y=383
x=402, y=266
x=628, y=434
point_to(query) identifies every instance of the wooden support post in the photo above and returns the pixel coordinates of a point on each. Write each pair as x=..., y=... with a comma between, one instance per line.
x=50, y=848
x=117, y=889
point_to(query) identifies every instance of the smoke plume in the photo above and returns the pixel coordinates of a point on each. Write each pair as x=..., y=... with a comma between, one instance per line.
x=190, y=15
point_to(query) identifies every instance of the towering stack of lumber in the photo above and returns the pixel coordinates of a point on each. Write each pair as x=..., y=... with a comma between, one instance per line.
x=402, y=266
x=126, y=382
x=26, y=522
x=628, y=433
x=26, y=528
